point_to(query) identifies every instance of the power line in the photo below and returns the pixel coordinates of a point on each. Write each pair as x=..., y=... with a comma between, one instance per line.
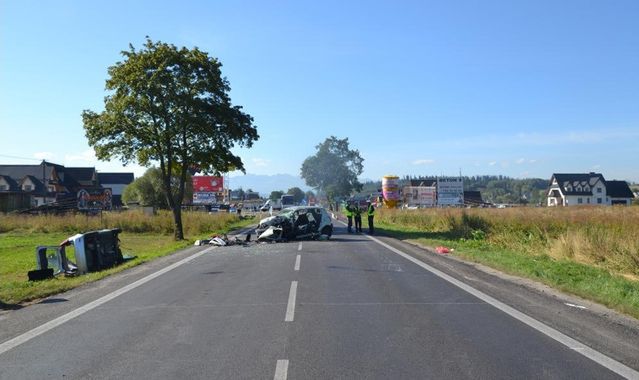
x=20, y=158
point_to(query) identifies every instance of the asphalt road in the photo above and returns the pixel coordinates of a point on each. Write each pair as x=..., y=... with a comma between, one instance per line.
x=348, y=308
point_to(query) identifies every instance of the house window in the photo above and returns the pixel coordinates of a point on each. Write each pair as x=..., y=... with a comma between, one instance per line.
x=588, y=200
x=580, y=201
x=27, y=188
x=4, y=187
x=598, y=200
x=587, y=188
x=52, y=189
x=599, y=189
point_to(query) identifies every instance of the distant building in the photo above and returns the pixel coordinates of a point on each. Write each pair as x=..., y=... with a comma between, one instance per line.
x=473, y=198
x=30, y=186
x=587, y=189
x=116, y=182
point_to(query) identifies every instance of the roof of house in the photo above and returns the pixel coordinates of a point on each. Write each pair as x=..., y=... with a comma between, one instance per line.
x=84, y=176
x=115, y=178
x=17, y=172
x=618, y=189
x=569, y=182
x=71, y=178
x=423, y=182
x=472, y=196
x=13, y=185
x=38, y=186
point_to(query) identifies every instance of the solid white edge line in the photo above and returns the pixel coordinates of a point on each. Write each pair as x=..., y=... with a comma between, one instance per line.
x=290, y=307
x=25, y=337
x=281, y=370
x=299, y=246
x=297, y=262
x=567, y=341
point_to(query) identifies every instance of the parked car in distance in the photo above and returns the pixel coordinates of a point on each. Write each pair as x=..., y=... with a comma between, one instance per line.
x=299, y=222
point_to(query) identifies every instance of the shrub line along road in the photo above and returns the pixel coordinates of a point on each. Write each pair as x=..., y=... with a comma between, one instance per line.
x=352, y=307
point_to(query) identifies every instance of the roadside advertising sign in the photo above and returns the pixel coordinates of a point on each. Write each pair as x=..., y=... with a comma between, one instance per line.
x=424, y=196
x=204, y=198
x=207, y=184
x=450, y=191
x=94, y=199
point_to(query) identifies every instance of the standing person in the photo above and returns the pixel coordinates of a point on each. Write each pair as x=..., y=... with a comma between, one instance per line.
x=371, y=215
x=349, y=215
x=358, y=218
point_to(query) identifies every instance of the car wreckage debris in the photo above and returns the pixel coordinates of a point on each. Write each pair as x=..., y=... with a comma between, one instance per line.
x=94, y=251
x=223, y=240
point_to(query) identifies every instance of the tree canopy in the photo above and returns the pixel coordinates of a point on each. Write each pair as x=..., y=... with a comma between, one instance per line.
x=275, y=195
x=297, y=193
x=170, y=106
x=333, y=170
x=148, y=190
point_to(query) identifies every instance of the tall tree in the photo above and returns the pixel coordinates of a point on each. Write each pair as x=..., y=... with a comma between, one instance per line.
x=276, y=195
x=333, y=170
x=297, y=194
x=170, y=106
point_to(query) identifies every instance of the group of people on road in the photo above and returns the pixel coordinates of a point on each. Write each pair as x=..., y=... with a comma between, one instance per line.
x=354, y=212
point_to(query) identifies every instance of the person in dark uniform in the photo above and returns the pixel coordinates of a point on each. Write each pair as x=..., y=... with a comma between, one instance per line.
x=358, y=218
x=370, y=209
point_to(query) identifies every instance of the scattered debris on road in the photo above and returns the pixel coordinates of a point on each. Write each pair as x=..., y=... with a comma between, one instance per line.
x=223, y=240
x=443, y=250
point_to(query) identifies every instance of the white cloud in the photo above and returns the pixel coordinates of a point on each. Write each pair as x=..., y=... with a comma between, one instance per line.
x=260, y=162
x=596, y=167
x=492, y=163
x=532, y=161
x=88, y=156
x=423, y=162
x=520, y=161
x=44, y=156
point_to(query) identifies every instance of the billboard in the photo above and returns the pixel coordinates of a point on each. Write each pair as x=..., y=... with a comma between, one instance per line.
x=450, y=192
x=421, y=196
x=207, y=184
x=204, y=198
x=94, y=199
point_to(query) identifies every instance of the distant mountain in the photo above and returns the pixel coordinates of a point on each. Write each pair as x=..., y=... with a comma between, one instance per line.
x=264, y=184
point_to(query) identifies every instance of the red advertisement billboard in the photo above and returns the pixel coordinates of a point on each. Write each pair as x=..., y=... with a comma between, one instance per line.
x=207, y=184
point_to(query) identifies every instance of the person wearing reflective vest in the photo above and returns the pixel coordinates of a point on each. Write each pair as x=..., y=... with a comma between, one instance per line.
x=349, y=215
x=358, y=218
x=371, y=215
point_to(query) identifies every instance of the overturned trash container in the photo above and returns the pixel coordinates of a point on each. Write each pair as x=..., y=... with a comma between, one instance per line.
x=96, y=250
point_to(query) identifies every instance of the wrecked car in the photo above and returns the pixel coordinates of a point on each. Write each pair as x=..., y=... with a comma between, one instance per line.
x=299, y=222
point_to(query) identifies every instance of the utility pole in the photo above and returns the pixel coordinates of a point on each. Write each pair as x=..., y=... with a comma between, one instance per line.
x=44, y=184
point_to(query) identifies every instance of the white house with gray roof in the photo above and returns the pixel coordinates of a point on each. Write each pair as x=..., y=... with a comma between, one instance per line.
x=577, y=189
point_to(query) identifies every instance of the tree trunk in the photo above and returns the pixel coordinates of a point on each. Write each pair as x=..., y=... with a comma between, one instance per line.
x=177, y=221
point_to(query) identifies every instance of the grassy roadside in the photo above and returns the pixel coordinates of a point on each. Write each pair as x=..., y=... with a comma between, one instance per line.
x=526, y=257
x=17, y=247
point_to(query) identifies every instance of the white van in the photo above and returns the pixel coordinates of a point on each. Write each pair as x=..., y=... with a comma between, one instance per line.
x=269, y=205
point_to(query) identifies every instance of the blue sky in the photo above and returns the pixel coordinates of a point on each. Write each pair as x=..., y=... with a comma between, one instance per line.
x=519, y=88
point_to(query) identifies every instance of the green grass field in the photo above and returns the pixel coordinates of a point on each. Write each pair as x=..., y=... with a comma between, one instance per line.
x=147, y=238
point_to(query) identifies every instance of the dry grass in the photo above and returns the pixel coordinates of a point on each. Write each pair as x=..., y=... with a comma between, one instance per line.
x=606, y=237
x=194, y=223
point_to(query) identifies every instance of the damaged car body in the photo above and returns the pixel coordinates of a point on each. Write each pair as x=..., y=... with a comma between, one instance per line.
x=293, y=223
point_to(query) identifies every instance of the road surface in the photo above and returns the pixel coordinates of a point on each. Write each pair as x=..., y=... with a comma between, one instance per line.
x=349, y=308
